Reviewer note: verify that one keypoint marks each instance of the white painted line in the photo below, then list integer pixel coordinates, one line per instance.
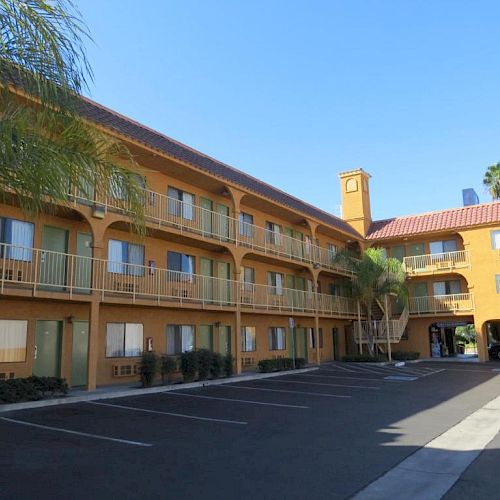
(321, 383)
(77, 433)
(432, 470)
(170, 414)
(284, 390)
(400, 378)
(335, 377)
(355, 372)
(370, 369)
(433, 373)
(341, 368)
(248, 401)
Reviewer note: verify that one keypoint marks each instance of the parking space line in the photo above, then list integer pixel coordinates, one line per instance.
(170, 414)
(343, 377)
(247, 401)
(432, 373)
(320, 383)
(341, 368)
(358, 370)
(284, 390)
(77, 433)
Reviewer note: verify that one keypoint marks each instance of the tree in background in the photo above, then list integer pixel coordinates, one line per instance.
(492, 180)
(46, 148)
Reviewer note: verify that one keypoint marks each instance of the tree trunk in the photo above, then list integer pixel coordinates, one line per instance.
(371, 334)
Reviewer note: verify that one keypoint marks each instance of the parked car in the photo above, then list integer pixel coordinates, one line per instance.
(494, 350)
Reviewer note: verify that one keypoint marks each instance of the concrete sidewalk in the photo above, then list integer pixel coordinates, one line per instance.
(112, 392)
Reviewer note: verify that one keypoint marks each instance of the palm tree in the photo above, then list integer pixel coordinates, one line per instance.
(45, 145)
(375, 277)
(492, 180)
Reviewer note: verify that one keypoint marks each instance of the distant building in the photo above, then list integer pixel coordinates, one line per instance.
(470, 197)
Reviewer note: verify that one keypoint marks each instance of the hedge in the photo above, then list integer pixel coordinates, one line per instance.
(364, 358)
(32, 388)
(279, 364)
(405, 355)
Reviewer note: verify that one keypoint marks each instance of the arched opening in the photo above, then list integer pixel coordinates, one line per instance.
(453, 339)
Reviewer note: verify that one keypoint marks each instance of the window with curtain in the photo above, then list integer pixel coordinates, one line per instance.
(277, 338)
(275, 283)
(332, 250)
(246, 224)
(180, 338)
(125, 258)
(495, 240)
(273, 233)
(18, 238)
(248, 278)
(180, 203)
(124, 340)
(13, 334)
(248, 342)
(443, 246)
(447, 287)
(312, 338)
(181, 263)
(398, 252)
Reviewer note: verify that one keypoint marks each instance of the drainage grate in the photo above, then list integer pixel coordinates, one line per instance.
(400, 378)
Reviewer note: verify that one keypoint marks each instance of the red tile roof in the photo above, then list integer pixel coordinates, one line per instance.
(442, 220)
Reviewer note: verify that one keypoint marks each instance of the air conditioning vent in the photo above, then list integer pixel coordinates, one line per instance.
(124, 370)
(247, 361)
(7, 375)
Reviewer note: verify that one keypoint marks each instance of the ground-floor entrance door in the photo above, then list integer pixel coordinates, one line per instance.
(79, 357)
(335, 343)
(300, 343)
(48, 341)
(224, 345)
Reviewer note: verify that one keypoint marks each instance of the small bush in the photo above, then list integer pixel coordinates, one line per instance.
(168, 365)
(279, 364)
(216, 364)
(267, 365)
(204, 362)
(31, 389)
(364, 358)
(189, 365)
(405, 355)
(300, 363)
(148, 368)
(228, 365)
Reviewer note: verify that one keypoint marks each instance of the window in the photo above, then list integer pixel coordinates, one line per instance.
(180, 338)
(246, 223)
(497, 277)
(180, 203)
(446, 287)
(181, 263)
(495, 239)
(332, 250)
(18, 239)
(13, 335)
(117, 184)
(124, 340)
(273, 233)
(277, 338)
(248, 338)
(312, 338)
(443, 246)
(248, 278)
(275, 282)
(398, 252)
(125, 258)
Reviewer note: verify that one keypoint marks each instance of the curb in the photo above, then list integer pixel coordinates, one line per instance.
(142, 392)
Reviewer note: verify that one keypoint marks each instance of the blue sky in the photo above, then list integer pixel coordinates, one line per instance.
(294, 92)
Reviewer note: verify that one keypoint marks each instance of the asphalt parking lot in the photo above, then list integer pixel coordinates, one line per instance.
(322, 434)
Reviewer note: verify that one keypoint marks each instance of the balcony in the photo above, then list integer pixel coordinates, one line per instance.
(437, 262)
(35, 272)
(442, 304)
(162, 210)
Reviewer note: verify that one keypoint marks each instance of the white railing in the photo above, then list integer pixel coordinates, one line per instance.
(430, 263)
(43, 270)
(379, 329)
(163, 210)
(458, 302)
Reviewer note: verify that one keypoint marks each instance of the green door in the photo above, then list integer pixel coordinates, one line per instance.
(48, 340)
(82, 270)
(222, 223)
(300, 343)
(206, 217)
(205, 337)
(223, 273)
(53, 261)
(79, 353)
(224, 346)
(207, 270)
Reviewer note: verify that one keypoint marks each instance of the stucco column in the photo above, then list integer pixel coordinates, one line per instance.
(237, 317)
(93, 354)
(316, 333)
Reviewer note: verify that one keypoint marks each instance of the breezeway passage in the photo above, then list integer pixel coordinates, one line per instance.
(281, 438)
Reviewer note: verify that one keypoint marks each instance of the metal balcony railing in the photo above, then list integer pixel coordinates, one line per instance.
(458, 302)
(431, 263)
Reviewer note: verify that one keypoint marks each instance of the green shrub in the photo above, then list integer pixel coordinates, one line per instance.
(168, 365)
(31, 388)
(204, 362)
(228, 365)
(189, 365)
(267, 365)
(405, 355)
(364, 358)
(148, 367)
(300, 363)
(279, 364)
(216, 364)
